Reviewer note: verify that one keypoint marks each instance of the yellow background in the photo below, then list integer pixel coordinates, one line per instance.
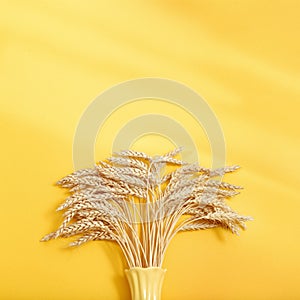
(243, 57)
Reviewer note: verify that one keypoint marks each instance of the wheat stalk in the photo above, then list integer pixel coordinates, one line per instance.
(130, 199)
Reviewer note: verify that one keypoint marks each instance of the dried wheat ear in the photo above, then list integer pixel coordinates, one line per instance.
(133, 200)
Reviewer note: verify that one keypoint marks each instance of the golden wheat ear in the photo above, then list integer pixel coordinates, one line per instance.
(132, 199)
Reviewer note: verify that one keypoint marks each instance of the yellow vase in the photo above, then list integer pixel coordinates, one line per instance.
(145, 283)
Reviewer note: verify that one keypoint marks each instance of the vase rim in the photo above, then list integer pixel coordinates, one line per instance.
(145, 268)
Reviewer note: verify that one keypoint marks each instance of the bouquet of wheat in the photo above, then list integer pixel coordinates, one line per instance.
(141, 202)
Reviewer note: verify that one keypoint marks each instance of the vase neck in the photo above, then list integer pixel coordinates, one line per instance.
(145, 283)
